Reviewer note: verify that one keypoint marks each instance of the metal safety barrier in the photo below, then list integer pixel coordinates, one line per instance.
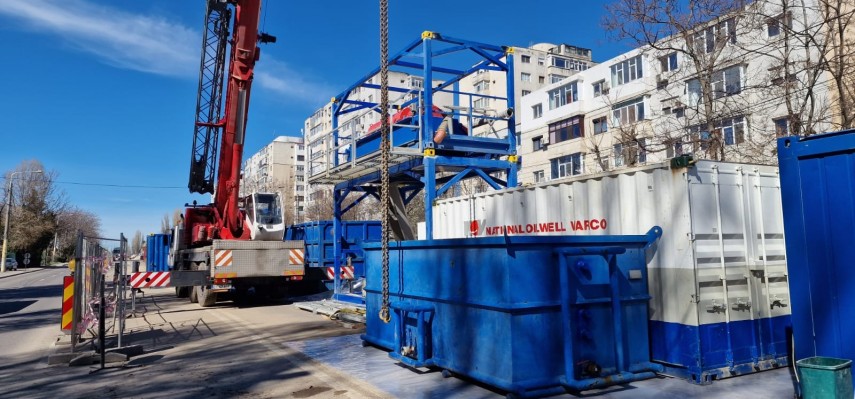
(100, 281)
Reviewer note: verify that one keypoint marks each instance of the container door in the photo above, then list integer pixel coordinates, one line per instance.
(769, 264)
(725, 308)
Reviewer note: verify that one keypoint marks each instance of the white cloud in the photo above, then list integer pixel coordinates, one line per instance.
(143, 43)
(279, 78)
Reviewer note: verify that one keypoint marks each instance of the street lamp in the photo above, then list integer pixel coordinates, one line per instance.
(6, 222)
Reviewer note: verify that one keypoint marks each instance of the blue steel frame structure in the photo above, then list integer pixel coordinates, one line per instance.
(457, 157)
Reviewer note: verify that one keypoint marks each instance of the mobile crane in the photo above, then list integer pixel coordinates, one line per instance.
(237, 240)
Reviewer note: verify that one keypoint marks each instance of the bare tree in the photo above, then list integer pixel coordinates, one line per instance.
(71, 221)
(321, 205)
(136, 242)
(36, 204)
(815, 54)
(165, 225)
(703, 36)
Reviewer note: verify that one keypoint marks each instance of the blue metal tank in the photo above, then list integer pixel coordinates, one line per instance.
(529, 315)
(818, 194)
(157, 252)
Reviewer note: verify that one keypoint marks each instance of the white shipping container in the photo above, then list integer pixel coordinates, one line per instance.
(719, 267)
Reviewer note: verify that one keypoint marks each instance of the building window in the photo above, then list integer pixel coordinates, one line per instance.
(416, 83)
(482, 85)
(299, 177)
(782, 126)
(526, 59)
(537, 143)
(642, 150)
(628, 112)
(539, 176)
(731, 131)
(726, 82)
(299, 168)
(563, 95)
(674, 148)
(300, 187)
(626, 71)
(570, 128)
(541, 61)
(617, 150)
(300, 198)
(526, 92)
(668, 63)
(774, 25)
(525, 77)
(481, 103)
(601, 125)
(571, 64)
(537, 111)
(709, 38)
(553, 78)
(567, 165)
(301, 158)
(541, 79)
(599, 88)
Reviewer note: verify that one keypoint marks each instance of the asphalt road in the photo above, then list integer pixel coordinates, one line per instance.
(30, 302)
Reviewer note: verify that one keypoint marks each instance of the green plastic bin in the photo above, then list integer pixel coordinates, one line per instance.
(825, 378)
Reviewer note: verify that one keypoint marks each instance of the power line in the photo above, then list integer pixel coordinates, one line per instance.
(75, 183)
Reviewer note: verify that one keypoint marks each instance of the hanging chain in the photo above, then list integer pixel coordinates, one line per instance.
(384, 154)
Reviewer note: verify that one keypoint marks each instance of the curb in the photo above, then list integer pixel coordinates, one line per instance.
(25, 271)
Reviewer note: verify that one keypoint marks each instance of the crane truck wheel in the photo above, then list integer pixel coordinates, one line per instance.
(182, 292)
(205, 297)
(194, 298)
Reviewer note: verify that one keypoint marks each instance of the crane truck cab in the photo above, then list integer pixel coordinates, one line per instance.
(264, 216)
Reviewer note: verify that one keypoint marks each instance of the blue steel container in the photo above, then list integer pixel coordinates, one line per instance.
(818, 193)
(529, 315)
(157, 252)
(319, 241)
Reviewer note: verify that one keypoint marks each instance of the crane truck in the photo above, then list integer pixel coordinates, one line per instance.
(235, 242)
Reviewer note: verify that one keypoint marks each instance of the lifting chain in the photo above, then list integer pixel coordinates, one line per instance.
(384, 155)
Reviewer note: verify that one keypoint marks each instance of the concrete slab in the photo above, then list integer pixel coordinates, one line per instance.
(347, 355)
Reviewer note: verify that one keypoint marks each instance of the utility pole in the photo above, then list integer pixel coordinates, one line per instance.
(6, 221)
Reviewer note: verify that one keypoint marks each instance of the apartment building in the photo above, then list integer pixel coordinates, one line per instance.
(535, 66)
(279, 167)
(719, 92)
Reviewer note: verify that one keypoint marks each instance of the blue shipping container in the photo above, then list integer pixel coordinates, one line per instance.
(818, 193)
(157, 252)
(319, 241)
(529, 315)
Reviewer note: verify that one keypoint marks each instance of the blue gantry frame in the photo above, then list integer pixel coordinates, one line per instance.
(457, 157)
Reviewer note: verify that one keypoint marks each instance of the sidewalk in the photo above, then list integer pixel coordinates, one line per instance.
(218, 352)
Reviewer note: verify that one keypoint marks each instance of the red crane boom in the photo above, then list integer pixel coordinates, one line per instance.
(223, 219)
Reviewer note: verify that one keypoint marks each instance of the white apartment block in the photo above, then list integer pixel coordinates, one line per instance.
(534, 67)
(279, 167)
(648, 104)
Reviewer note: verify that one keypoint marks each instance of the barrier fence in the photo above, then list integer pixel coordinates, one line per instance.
(99, 292)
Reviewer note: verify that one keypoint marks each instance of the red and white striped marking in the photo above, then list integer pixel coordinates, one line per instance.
(223, 257)
(346, 272)
(150, 279)
(295, 257)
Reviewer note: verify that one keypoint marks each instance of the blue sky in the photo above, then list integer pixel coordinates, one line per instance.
(104, 91)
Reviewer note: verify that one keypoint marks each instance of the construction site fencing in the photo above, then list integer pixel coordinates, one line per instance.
(99, 292)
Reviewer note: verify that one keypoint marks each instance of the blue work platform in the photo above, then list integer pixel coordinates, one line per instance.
(818, 196)
(433, 147)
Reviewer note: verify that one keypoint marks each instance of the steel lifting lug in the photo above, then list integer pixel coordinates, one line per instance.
(741, 304)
